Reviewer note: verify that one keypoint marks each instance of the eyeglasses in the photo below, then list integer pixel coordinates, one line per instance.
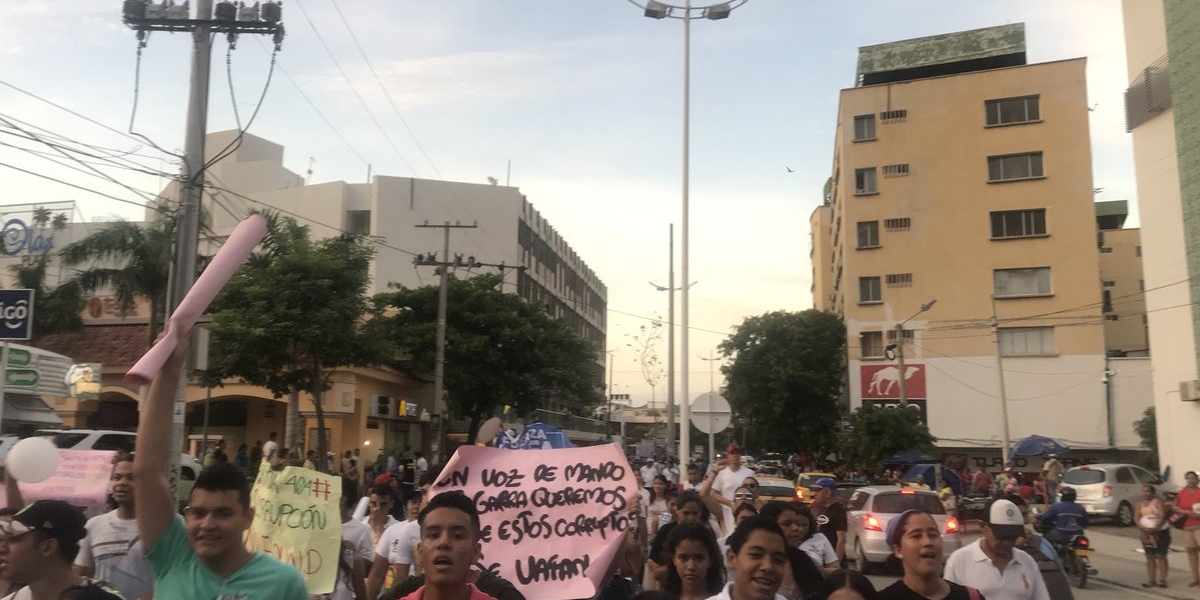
(743, 496)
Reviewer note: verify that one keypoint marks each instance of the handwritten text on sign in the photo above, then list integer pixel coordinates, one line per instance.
(552, 520)
(296, 519)
(81, 479)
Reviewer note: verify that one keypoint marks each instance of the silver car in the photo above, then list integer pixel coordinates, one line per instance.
(870, 509)
(1111, 489)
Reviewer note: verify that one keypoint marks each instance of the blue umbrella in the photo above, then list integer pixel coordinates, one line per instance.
(1035, 445)
(909, 457)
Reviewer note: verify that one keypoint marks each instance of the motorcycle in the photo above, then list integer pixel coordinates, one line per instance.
(1076, 556)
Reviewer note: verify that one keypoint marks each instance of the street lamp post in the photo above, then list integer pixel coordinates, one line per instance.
(671, 289)
(900, 351)
(714, 12)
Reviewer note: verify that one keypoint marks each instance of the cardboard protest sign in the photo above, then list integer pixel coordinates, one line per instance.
(81, 479)
(296, 519)
(552, 520)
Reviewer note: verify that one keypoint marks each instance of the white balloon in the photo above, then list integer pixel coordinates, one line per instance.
(32, 460)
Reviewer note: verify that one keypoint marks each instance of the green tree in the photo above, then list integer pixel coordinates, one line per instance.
(292, 315)
(131, 259)
(785, 376)
(1147, 429)
(500, 349)
(876, 433)
(58, 310)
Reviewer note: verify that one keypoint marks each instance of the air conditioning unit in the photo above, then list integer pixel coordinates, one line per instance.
(1189, 391)
(382, 406)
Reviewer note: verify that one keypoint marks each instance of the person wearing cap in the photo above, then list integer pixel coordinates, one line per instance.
(38, 548)
(723, 481)
(830, 515)
(202, 555)
(916, 542)
(992, 564)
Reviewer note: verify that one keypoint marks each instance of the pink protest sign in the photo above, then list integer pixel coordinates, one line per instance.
(552, 520)
(232, 254)
(81, 479)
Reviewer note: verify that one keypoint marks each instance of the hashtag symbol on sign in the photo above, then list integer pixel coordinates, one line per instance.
(320, 486)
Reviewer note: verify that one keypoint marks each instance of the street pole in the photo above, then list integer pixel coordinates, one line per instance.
(1004, 443)
(671, 342)
(612, 359)
(439, 361)
(900, 364)
(685, 420)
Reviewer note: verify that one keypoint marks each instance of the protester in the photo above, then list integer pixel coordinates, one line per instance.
(742, 512)
(729, 477)
(916, 542)
(694, 567)
(450, 546)
(380, 502)
(690, 510)
(37, 550)
(1052, 472)
(830, 515)
(1186, 502)
(270, 450)
(242, 459)
(758, 553)
(657, 505)
(802, 575)
(354, 557)
(395, 550)
(846, 585)
(350, 475)
(992, 564)
(694, 478)
(107, 547)
(1156, 536)
(202, 557)
(310, 460)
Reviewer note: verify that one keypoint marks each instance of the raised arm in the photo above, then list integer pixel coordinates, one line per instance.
(150, 489)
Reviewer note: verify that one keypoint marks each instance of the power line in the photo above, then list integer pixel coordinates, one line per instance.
(80, 187)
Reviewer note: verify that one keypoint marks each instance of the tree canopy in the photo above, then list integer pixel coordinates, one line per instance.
(785, 376)
(875, 433)
(500, 349)
(293, 314)
(57, 310)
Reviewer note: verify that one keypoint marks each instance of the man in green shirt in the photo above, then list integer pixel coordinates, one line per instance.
(201, 556)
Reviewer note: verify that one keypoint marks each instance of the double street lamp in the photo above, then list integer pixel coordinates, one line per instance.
(899, 347)
(713, 12)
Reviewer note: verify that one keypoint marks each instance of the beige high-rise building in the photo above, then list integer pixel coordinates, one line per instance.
(962, 175)
(1123, 297)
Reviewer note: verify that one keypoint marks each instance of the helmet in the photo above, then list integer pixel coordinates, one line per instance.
(1068, 494)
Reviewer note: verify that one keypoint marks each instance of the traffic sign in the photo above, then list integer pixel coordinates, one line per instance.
(711, 413)
(16, 314)
(21, 378)
(18, 357)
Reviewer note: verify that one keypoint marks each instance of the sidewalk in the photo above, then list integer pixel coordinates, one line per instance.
(1129, 550)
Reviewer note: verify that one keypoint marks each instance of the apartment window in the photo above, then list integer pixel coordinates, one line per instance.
(1106, 250)
(1141, 285)
(358, 222)
(864, 181)
(895, 170)
(1107, 283)
(1021, 282)
(864, 128)
(869, 290)
(899, 224)
(1010, 111)
(871, 344)
(908, 335)
(893, 115)
(1026, 341)
(1106, 301)
(1015, 166)
(1138, 250)
(1018, 223)
(899, 280)
(868, 234)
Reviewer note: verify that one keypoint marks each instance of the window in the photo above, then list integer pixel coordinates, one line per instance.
(868, 234)
(864, 128)
(1138, 250)
(1106, 283)
(864, 181)
(871, 343)
(869, 290)
(893, 115)
(900, 224)
(1141, 285)
(1018, 223)
(1106, 301)
(1015, 166)
(1106, 250)
(1026, 341)
(899, 280)
(908, 335)
(1021, 282)
(1124, 475)
(1010, 111)
(900, 170)
(358, 222)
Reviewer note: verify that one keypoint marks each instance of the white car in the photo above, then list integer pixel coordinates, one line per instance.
(869, 510)
(1112, 490)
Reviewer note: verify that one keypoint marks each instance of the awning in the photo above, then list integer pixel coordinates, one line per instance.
(24, 408)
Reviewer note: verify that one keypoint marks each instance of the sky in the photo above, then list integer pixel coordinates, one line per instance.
(583, 97)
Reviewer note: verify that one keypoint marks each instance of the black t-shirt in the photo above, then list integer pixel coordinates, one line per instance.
(831, 521)
(659, 544)
(899, 591)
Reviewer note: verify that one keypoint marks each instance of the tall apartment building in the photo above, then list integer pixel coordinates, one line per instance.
(1162, 110)
(1123, 297)
(962, 174)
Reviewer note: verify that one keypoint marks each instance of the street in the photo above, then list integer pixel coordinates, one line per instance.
(1120, 565)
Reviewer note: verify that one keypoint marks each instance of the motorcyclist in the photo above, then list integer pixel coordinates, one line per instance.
(1064, 520)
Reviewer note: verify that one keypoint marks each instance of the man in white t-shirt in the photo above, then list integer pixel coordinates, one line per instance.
(730, 478)
(395, 549)
(105, 553)
(271, 448)
(992, 564)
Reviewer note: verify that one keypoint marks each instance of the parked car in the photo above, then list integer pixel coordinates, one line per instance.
(1112, 489)
(774, 488)
(844, 491)
(869, 510)
(806, 480)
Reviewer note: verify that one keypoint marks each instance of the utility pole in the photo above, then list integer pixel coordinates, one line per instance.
(1004, 441)
(439, 364)
(144, 16)
(900, 364)
(670, 288)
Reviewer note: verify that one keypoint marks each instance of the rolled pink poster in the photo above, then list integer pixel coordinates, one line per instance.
(232, 254)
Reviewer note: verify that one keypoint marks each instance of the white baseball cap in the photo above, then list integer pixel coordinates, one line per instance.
(1005, 519)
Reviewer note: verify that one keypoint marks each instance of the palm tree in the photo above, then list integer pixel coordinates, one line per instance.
(41, 216)
(131, 259)
(59, 222)
(58, 310)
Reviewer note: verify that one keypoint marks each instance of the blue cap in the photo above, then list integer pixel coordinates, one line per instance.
(824, 482)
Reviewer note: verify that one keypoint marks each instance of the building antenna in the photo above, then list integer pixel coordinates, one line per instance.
(312, 160)
(508, 177)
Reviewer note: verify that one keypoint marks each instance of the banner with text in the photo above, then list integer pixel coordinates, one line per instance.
(81, 479)
(296, 519)
(552, 520)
